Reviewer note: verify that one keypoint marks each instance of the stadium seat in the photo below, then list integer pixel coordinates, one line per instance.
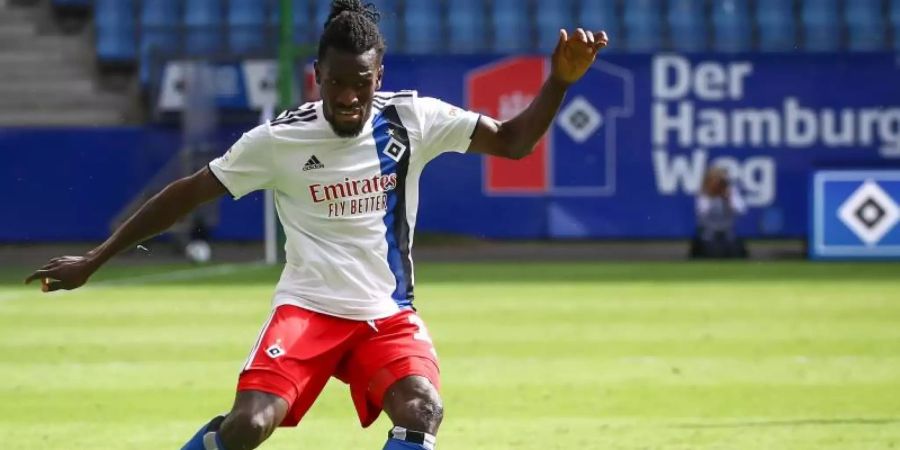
(600, 15)
(512, 28)
(116, 30)
(821, 25)
(688, 25)
(159, 33)
(731, 26)
(273, 16)
(204, 25)
(466, 26)
(160, 13)
(777, 27)
(305, 30)
(310, 17)
(72, 3)
(246, 26)
(550, 16)
(322, 9)
(895, 22)
(865, 25)
(422, 25)
(643, 23)
(390, 22)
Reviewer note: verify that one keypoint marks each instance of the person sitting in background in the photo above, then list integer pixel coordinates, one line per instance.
(717, 208)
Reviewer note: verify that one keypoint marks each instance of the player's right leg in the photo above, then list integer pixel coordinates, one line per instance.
(295, 355)
(252, 419)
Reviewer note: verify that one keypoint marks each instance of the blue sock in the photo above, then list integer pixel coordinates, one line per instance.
(400, 438)
(201, 441)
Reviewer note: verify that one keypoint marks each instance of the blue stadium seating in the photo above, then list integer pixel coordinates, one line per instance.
(512, 27)
(160, 12)
(643, 20)
(422, 25)
(158, 37)
(598, 15)
(550, 16)
(390, 22)
(72, 3)
(865, 25)
(688, 25)
(821, 25)
(249, 27)
(310, 17)
(777, 28)
(731, 25)
(466, 26)
(203, 20)
(305, 30)
(246, 26)
(116, 30)
(323, 8)
(895, 22)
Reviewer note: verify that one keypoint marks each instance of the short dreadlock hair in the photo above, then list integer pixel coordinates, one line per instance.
(353, 27)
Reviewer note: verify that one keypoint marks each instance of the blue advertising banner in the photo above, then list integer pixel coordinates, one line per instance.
(242, 85)
(623, 160)
(855, 214)
(70, 184)
(634, 138)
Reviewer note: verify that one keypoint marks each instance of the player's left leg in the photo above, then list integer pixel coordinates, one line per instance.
(416, 410)
(395, 369)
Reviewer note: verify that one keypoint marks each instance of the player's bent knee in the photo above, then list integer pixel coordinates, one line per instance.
(254, 417)
(415, 404)
(246, 429)
(431, 412)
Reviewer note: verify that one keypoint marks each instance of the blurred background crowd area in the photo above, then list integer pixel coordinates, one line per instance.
(127, 30)
(56, 47)
(59, 47)
(156, 88)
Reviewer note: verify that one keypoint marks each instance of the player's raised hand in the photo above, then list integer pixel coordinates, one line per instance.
(64, 272)
(574, 55)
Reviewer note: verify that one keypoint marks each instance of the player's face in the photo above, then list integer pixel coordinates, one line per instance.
(348, 82)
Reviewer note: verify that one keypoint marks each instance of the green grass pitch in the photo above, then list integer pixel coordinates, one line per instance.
(534, 356)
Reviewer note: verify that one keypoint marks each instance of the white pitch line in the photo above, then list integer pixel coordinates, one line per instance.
(7, 297)
(176, 275)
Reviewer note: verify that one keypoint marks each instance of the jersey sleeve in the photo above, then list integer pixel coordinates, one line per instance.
(248, 165)
(444, 127)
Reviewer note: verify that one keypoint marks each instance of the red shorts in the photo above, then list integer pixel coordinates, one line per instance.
(299, 350)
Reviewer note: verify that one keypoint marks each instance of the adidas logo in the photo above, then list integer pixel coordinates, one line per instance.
(313, 163)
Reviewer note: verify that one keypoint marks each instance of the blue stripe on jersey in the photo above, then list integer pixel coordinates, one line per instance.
(391, 136)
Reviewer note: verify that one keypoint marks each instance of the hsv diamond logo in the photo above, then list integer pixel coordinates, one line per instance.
(870, 213)
(855, 214)
(275, 350)
(577, 158)
(394, 148)
(580, 119)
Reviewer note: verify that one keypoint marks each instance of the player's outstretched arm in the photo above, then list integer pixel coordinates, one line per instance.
(155, 216)
(516, 138)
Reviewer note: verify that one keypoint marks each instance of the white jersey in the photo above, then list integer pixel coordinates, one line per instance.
(348, 205)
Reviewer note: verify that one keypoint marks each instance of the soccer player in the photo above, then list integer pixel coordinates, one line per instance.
(345, 172)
